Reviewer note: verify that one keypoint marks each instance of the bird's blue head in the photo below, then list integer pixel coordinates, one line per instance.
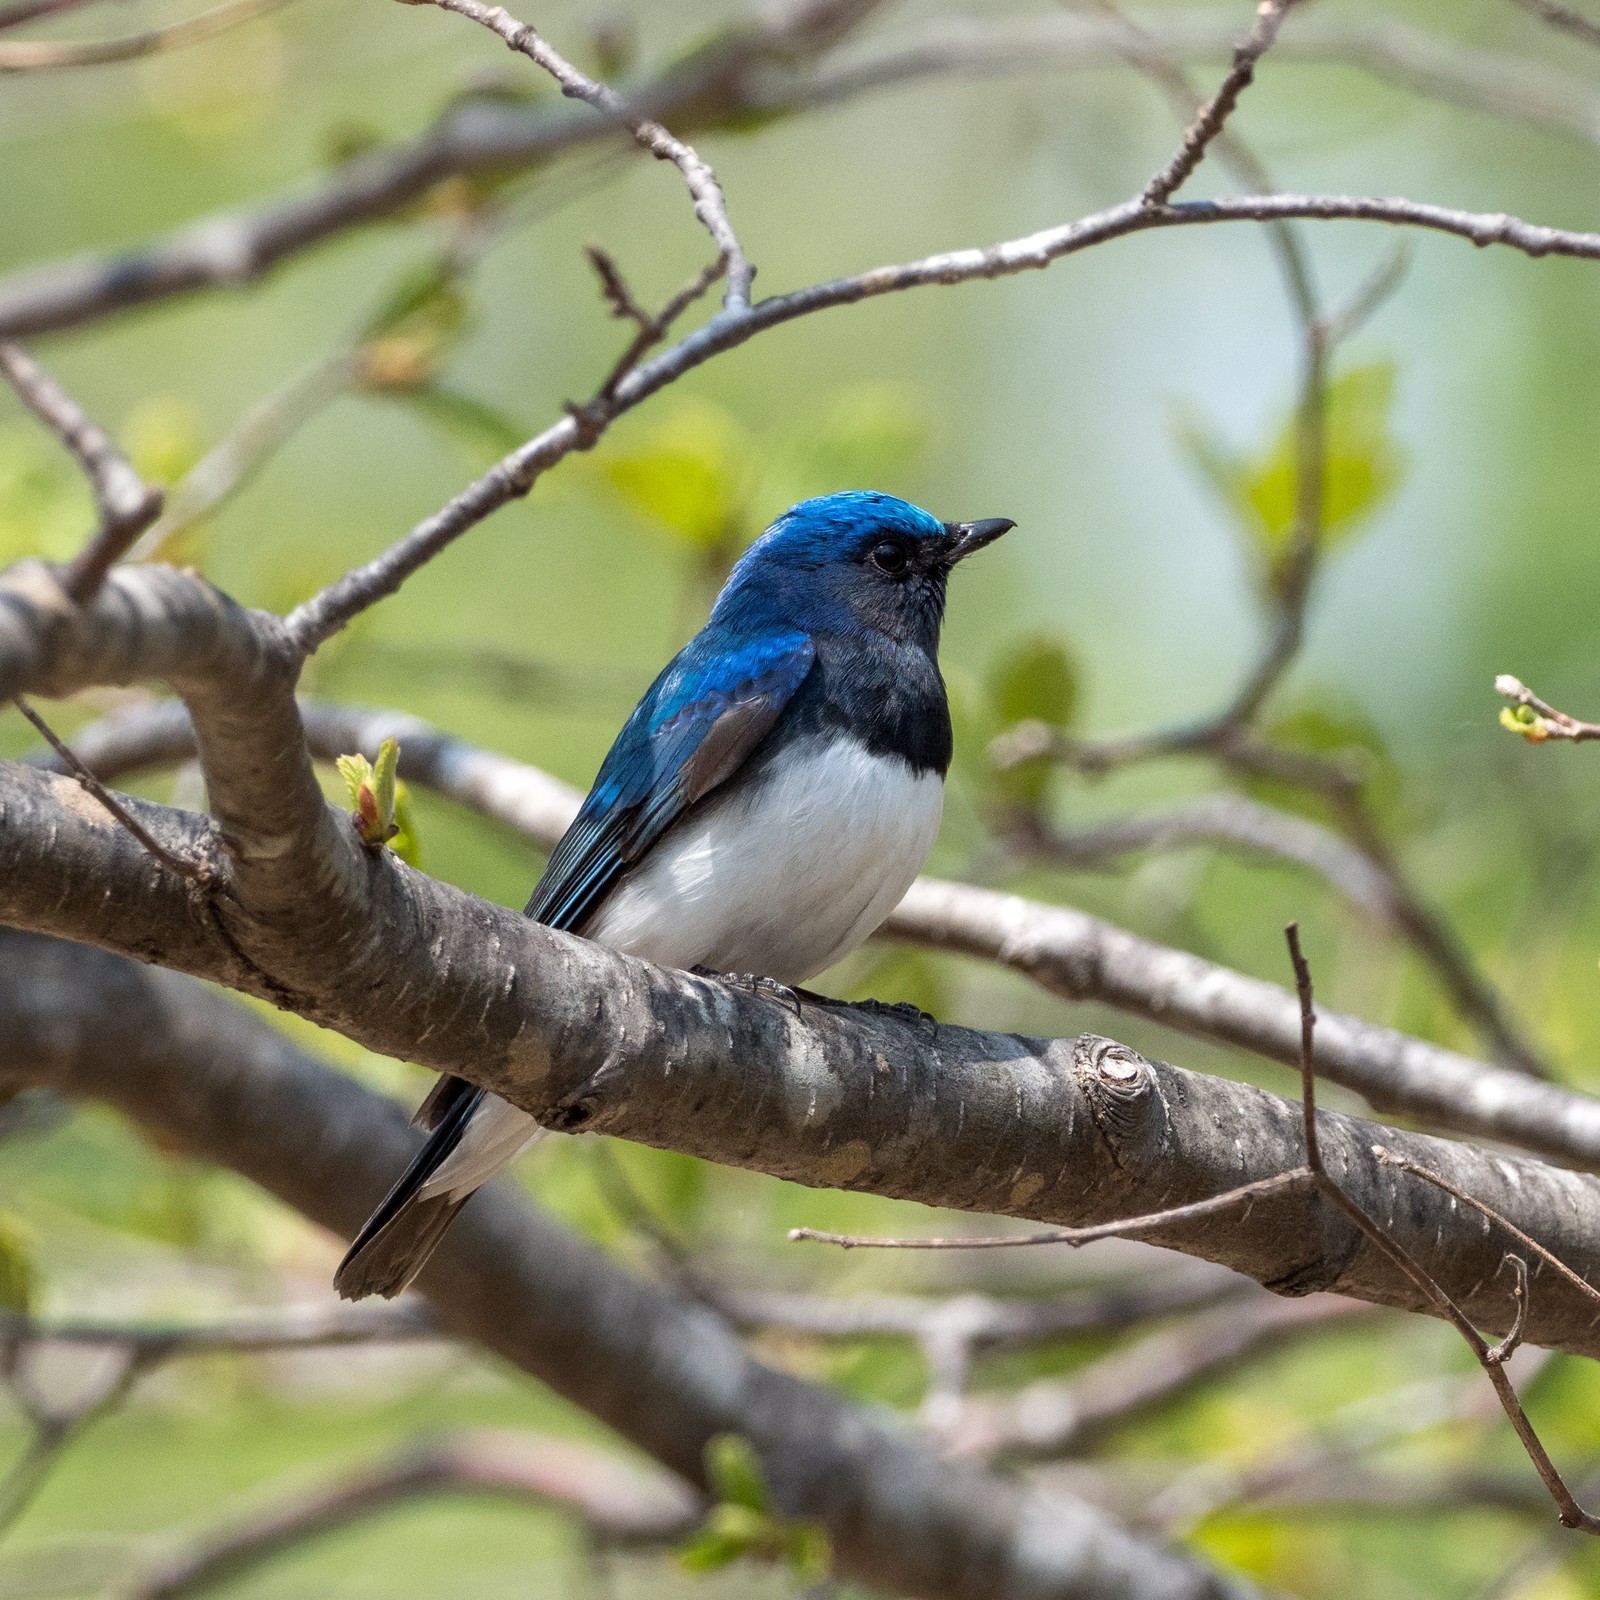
(856, 558)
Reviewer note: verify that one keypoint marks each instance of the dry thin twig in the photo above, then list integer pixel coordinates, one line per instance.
(127, 504)
(93, 785)
(1564, 19)
(709, 205)
(618, 1503)
(1214, 114)
(1123, 1228)
(56, 55)
(138, 1348)
(1492, 1358)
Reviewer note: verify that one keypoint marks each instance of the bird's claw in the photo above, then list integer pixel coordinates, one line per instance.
(901, 1010)
(758, 984)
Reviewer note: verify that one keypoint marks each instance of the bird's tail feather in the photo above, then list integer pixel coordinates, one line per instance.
(387, 1261)
(402, 1233)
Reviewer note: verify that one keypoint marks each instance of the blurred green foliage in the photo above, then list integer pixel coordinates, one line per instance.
(1132, 595)
(1361, 469)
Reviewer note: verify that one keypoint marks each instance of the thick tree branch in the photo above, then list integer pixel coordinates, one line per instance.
(1065, 951)
(585, 1038)
(664, 1372)
(236, 673)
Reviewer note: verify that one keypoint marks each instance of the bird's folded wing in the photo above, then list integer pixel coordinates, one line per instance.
(693, 730)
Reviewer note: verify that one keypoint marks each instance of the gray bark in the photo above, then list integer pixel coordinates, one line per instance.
(666, 1373)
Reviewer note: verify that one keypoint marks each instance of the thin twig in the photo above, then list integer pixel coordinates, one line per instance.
(709, 205)
(126, 503)
(24, 11)
(93, 785)
(1214, 114)
(1527, 1241)
(327, 612)
(1125, 1228)
(1563, 19)
(1543, 721)
(618, 1503)
(1490, 1357)
(650, 327)
(56, 55)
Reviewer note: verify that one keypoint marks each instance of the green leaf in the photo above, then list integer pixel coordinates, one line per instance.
(1362, 466)
(735, 1472)
(406, 844)
(356, 771)
(383, 779)
(729, 1532)
(1035, 679)
(808, 1551)
(691, 477)
(18, 1279)
(708, 1550)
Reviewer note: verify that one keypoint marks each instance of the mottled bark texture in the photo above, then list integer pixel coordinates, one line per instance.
(1063, 950)
(666, 1373)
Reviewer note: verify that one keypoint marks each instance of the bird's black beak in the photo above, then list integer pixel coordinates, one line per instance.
(965, 537)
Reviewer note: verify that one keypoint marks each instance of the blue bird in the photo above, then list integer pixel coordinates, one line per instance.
(762, 811)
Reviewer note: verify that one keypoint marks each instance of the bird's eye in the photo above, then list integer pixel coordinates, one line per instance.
(890, 557)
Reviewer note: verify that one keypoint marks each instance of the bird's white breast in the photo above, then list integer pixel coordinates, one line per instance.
(784, 875)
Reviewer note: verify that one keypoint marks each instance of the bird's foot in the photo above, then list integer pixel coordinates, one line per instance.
(901, 1010)
(763, 987)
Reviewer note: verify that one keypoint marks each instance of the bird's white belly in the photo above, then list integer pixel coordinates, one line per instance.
(783, 879)
(786, 877)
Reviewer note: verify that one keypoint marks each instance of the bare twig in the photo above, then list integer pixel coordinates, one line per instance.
(1054, 1417)
(126, 503)
(93, 785)
(1231, 820)
(293, 1328)
(326, 613)
(709, 205)
(1214, 114)
(24, 11)
(1564, 19)
(53, 1428)
(1540, 721)
(1526, 1240)
(1492, 1358)
(618, 1503)
(1125, 1228)
(650, 327)
(56, 55)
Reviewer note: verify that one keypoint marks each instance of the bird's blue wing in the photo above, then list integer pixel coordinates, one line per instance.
(696, 725)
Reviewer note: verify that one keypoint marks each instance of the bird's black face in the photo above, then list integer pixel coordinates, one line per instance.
(898, 585)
